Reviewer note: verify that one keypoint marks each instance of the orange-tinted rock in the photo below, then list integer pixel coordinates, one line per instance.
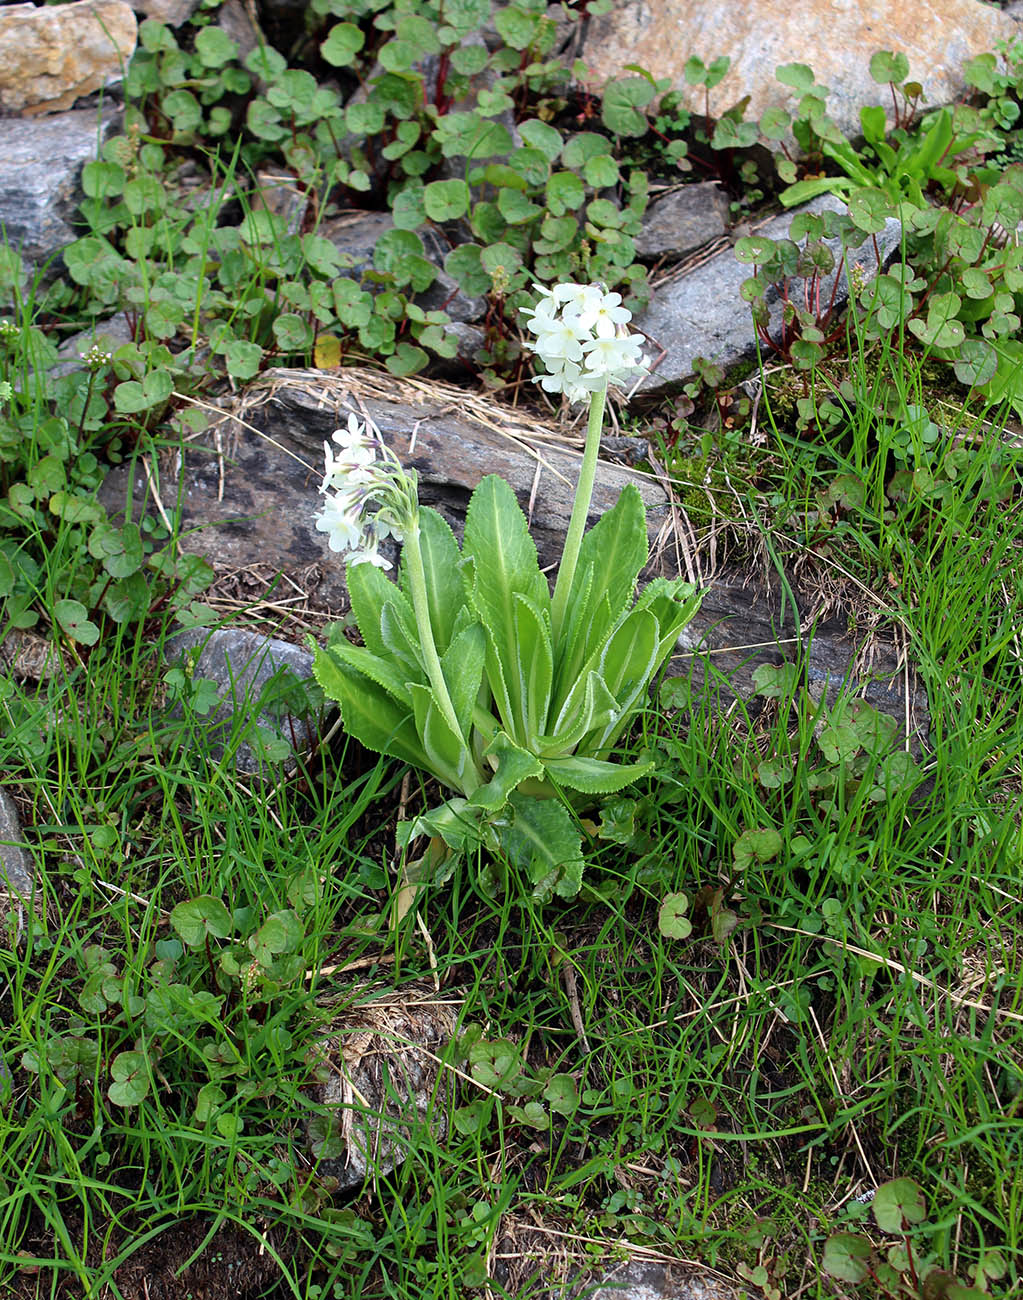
(50, 57)
(835, 37)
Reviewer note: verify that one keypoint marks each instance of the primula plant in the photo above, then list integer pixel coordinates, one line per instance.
(470, 670)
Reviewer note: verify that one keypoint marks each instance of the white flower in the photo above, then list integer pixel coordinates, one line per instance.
(341, 522)
(368, 496)
(585, 346)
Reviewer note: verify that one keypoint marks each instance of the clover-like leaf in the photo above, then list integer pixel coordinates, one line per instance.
(759, 845)
(130, 1079)
(847, 1257)
(899, 1204)
(199, 918)
(672, 920)
(74, 621)
(561, 1094)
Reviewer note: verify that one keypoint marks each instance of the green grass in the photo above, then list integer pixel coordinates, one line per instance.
(848, 1008)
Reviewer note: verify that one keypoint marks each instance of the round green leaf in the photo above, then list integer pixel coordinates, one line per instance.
(343, 43)
(620, 108)
(761, 844)
(542, 136)
(214, 47)
(671, 919)
(899, 1204)
(847, 1257)
(131, 1079)
(464, 266)
(561, 1094)
(446, 200)
(199, 918)
(73, 618)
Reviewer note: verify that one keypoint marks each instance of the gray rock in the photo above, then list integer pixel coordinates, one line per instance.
(683, 220)
(468, 341)
(41, 162)
(701, 314)
(258, 679)
(356, 235)
(17, 876)
(644, 1280)
(108, 335)
(381, 1086)
(270, 489)
(171, 12)
(237, 19)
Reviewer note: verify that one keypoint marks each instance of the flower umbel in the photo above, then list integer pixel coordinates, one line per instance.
(582, 338)
(369, 496)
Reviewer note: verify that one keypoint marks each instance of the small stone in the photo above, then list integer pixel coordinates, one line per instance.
(683, 220)
(257, 678)
(51, 56)
(382, 1086)
(644, 1280)
(171, 12)
(41, 163)
(937, 36)
(17, 877)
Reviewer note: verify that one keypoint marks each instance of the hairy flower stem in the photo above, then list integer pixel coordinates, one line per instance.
(412, 556)
(580, 512)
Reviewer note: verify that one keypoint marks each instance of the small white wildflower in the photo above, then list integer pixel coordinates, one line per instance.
(368, 496)
(586, 345)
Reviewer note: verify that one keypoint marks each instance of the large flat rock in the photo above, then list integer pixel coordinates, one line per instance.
(835, 37)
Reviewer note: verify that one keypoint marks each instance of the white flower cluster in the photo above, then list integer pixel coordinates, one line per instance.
(583, 340)
(366, 498)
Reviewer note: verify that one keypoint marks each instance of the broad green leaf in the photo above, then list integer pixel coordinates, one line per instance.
(505, 565)
(74, 621)
(369, 591)
(445, 590)
(397, 630)
(343, 43)
(130, 1079)
(630, 656)
(899, 1204)
(672, 920)
(455, 822)
(514, 765)
(462, 665)
(198, 918)
(595, 775)
(804, 191)
(612, 554)
(369, 713)
(847, 1257)
(542, 839)
(281, 932)
(590, 707)
(447, 758)
(446, 200)
(673, 602)
(760, 845)
(561, 1094)
(381, 670)
(528, 669)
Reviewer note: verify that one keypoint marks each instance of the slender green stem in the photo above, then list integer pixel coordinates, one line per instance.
(412, 555)
(580, 512)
